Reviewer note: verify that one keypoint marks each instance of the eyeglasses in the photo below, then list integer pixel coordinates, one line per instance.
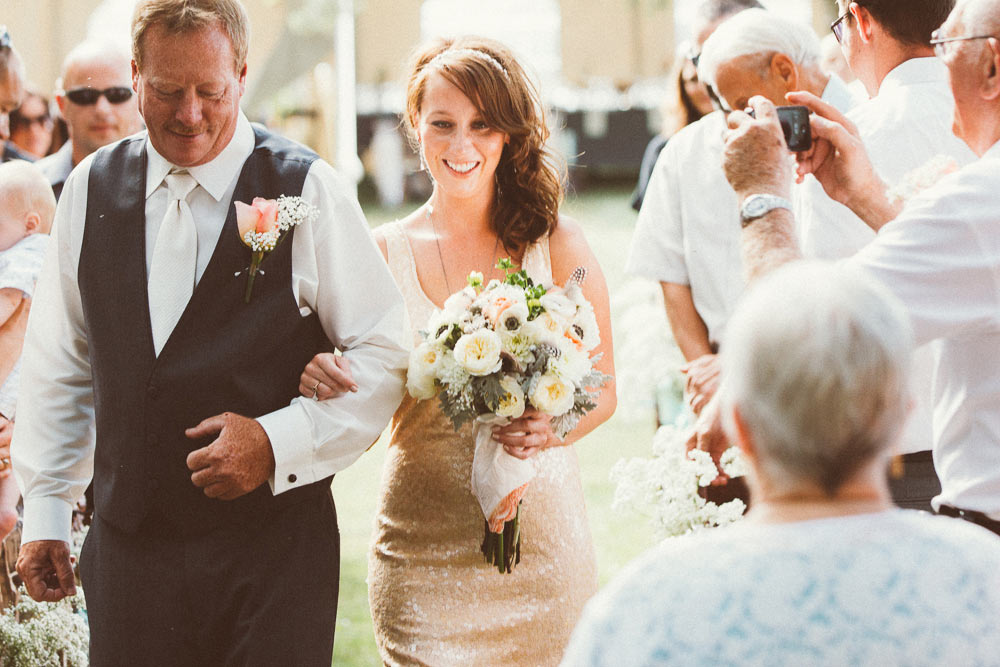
(939, 42)
(27, 121)
(4, 37)
(838, 26)
(87, 96)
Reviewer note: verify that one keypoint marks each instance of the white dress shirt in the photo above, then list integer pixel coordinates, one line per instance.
(688, 228)
(337, 271)
(941, 257)
(688, 231)
(905, 126)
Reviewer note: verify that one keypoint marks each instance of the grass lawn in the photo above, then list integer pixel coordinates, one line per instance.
(608, 222)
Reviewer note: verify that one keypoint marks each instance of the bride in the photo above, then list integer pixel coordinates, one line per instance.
(478, 124)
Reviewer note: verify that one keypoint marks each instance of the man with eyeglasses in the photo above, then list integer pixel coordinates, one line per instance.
(939, 252)
(11, 94)
(95, 98)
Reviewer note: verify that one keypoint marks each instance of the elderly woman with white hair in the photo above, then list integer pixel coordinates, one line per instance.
(823, 570)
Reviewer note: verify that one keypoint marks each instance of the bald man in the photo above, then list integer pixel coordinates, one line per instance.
(11, 93)
(96, 100)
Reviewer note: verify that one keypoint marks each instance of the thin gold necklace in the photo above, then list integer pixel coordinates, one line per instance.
(437, 241)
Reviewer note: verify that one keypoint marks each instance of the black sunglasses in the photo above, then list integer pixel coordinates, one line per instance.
(87, 96)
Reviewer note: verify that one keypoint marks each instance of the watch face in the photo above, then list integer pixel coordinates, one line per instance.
(756, 207)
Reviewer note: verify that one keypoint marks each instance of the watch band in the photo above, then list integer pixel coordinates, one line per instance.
(757, 206)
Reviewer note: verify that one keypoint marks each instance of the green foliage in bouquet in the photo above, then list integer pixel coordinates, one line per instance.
(43, 634)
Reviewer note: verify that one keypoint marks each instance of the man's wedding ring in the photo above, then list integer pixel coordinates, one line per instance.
(316, 389)
(4, 463)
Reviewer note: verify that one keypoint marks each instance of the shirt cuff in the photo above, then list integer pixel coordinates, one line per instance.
(290, 432)
(47, 518)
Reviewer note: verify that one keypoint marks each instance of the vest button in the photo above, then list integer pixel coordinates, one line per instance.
(152, 391)
(292, 479)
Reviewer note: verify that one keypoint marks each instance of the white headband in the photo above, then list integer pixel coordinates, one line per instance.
(439, 60)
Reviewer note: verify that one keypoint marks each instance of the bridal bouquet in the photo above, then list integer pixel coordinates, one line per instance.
(490, 353)
(665, 487)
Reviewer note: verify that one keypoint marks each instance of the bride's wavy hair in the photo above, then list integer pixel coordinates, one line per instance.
(529, 179)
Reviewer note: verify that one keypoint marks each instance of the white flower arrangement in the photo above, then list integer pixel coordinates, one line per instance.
(665, 487)
(491, 353)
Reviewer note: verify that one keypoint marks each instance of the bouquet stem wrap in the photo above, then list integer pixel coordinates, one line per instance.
(499, 481)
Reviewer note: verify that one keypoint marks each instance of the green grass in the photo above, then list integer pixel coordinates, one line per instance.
(608, 222)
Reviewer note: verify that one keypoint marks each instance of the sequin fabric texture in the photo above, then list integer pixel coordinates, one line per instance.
(434, 600)
(893, 588)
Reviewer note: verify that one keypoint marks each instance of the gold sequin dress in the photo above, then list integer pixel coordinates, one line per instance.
(434, 599)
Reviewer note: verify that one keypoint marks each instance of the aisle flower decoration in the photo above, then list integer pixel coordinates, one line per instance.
(665, 487)
(264, 224)
(488, 355)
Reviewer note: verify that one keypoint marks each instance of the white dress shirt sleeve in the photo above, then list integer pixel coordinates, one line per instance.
(53, 444)
(940, 260)
(339, 273)
(657, 250)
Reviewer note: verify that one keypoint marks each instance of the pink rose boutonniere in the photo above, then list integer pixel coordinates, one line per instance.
(264, 223)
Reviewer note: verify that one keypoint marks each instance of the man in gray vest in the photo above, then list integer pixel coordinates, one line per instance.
(215, 538)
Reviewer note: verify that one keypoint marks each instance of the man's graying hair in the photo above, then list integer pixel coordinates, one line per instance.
(179, 16)
(710, 11)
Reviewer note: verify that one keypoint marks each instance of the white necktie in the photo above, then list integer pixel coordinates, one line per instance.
(172, 269)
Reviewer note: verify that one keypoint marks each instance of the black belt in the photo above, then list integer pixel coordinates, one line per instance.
(973, 516)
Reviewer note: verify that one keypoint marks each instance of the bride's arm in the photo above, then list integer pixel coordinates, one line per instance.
(568, 249)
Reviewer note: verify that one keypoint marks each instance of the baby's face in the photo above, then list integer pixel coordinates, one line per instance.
(13, 228)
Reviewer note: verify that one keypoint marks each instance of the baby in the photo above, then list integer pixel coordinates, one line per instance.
(27, 207)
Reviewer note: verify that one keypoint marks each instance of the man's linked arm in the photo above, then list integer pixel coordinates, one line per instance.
(341, 275)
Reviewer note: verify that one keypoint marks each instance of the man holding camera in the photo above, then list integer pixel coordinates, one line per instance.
(905, 125)
(940, 255)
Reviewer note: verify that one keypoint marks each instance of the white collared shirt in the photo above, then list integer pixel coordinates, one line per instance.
(941, 257)
(688, 231)
(337, 271)
(904, 127)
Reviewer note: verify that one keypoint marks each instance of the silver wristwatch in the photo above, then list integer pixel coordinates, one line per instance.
(756, 206)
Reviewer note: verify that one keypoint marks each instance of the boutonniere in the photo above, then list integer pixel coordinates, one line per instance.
(264, 224)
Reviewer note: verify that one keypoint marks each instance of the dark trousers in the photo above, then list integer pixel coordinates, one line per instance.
(257, 593)
(913, 481)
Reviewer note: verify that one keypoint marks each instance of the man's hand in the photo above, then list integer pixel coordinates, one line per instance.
(840, 163)
(236, 462)
(46, 570)
(708, 435)
(702, 381)
(755, 159)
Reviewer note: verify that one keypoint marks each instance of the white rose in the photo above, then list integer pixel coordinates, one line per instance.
(552, 395)
(424, 363)
(511, 405)
(479, 352)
